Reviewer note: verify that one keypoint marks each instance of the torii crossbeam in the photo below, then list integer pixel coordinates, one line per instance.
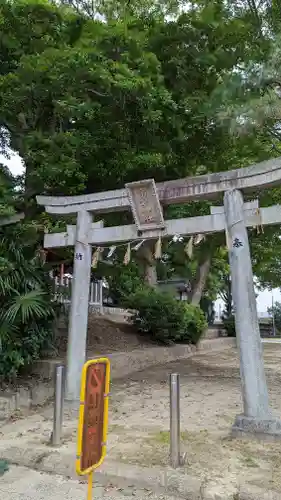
(262, 175)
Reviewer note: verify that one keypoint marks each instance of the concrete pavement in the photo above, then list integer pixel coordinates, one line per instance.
(20, 483)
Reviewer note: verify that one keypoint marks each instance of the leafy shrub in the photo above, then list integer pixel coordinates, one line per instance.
(123, 281)
(195, 323)
(164, 318)
(229, 325)
(26, 311)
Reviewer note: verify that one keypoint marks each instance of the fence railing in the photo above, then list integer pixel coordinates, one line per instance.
(62, 289)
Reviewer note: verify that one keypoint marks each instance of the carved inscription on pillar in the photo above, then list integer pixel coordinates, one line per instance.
(145, 205)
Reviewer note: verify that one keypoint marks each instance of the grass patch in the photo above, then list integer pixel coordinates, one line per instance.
(250, 462)
(116, 428)
(163, 437)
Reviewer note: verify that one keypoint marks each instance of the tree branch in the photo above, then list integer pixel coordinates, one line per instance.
(98, 93)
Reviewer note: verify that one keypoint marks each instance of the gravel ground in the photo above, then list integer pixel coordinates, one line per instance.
(210, 400)
(25, 484)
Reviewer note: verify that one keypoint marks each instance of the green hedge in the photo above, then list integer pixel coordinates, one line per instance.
(166, 319)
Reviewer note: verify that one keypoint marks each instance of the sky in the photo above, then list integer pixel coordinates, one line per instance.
(264, 299)
(14, 163)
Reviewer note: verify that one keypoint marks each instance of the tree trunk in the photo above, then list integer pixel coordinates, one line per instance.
(30, 205)
(149, 263)
(200, 281)
(150, 274)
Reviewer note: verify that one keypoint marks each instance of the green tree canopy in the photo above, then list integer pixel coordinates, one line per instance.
(91, 104)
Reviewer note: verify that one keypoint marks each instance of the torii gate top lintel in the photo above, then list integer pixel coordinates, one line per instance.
(265, 174)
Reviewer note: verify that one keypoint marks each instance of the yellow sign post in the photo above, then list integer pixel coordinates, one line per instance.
(93, 418)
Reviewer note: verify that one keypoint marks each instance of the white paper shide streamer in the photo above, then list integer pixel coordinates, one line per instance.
(189, 247)
(111, 252)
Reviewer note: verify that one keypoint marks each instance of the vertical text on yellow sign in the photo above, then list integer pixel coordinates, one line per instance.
(106, 362)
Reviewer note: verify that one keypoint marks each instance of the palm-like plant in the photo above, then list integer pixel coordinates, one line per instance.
(26, 310)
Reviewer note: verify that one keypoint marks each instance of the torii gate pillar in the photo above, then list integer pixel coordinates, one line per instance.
(78, 321)
(257, 417)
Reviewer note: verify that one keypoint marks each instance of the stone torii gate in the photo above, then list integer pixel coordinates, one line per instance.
(145, 198)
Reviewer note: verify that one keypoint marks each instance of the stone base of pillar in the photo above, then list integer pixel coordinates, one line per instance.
(256, 428)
